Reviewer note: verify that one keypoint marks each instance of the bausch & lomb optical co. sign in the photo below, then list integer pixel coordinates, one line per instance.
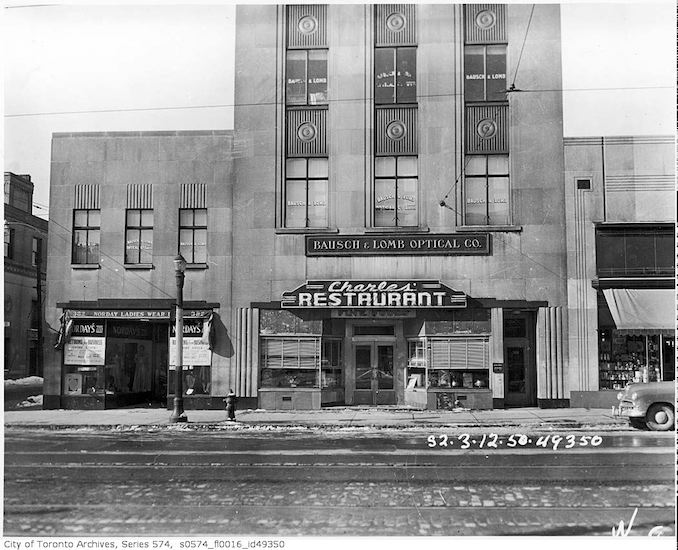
(471, 244)
(373, 294)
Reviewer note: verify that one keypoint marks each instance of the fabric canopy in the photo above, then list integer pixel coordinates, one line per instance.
(645, 311)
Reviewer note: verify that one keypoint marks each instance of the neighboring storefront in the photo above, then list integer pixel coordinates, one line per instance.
(118, 357)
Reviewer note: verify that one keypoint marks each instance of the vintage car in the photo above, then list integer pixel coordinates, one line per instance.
(648, 405)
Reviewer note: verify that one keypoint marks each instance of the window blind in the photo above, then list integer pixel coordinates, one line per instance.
(460, 353)
(291, 353)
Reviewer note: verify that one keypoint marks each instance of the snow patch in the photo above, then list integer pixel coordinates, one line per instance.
(32, 401)
(29, 381)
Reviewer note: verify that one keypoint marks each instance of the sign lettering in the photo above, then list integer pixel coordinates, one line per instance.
(464, 244)
(373, 294)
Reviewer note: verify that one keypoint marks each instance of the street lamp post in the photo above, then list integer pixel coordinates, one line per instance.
(178, 414)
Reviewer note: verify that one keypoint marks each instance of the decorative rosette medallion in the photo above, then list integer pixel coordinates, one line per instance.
(396, 130)
(486, 19)
(308, 24)
(307, 131)
(396, 22)
(486, 128)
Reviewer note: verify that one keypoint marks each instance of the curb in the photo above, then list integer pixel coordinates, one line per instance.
(270, 426)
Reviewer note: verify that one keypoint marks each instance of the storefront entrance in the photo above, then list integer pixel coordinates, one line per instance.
(374, 373)
(521, 374)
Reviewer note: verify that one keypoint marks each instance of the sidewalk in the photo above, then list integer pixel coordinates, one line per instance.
(340, 417)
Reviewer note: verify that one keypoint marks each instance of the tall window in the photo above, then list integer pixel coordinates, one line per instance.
(86, 235)
(306, 188)
(486, 190)
(193, 235)
(395, 75)
(139, 236)
(306, 77)
(485, 73)
(9, 243)
(395, 191)
(36, 252)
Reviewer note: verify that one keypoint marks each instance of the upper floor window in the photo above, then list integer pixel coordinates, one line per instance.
(486, 190)
(395, 75)
(485, 72)
(193, 235)
(86, 236)
(306, 192)
(635, 251)
(306, 82)
(9, 243)
(395, 191)
(36, 252)
(139, 236)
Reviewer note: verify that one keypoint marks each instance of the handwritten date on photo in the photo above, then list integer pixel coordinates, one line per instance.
(494, 441)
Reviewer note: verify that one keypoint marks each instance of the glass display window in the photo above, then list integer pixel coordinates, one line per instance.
(196, 380)
(290, 362)
(332, 372)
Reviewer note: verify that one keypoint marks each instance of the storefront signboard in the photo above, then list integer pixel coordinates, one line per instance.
(390, 294)
(85, 351)
(464, 244)
(132, 314)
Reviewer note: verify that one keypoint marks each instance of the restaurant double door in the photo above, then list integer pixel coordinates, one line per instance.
(374, 373)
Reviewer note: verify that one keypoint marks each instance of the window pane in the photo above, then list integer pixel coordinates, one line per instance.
(201, 217)
(80, 218)
(474, 201)
(200, 246)
(474, 73)
(147, 218)
(94, 219)
(384, 166)
(664, 243)
(407, 202)
(296, 77)
(93, 247)
(80, 246)
(296, 168)
(146, 246)
(186, 244)
(384, 203)
(295, 204)
(407, 166)
(317, 76)
(384, 75)
(131, 246)
(406, 77)
(317, 168)
(133, 218)
(475, 165)
(185, 218)
(639, 253)
(497, 164)
(609, 254)
(498, 205)
(317, 203)
(496, 73)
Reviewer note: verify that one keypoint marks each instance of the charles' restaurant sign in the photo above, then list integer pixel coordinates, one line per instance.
(373, 294)
(467, 244)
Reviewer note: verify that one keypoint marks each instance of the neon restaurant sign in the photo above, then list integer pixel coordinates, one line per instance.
(373, 294)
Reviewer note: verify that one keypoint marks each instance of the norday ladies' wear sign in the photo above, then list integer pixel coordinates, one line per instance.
(373, 294)
(467, 244)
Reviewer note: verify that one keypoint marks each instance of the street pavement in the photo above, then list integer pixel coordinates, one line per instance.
(447, 480)
(385, 417)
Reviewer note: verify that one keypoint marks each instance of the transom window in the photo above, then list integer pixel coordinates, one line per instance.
(306, 82)
(395, 75)
(193, 235)
(306, 192)
(486, 190)
(86, 236)
(635, 251)
(139, 236)
(395, 191)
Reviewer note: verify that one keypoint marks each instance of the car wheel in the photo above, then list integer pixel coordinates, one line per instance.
(660, 417)
(638, 423)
